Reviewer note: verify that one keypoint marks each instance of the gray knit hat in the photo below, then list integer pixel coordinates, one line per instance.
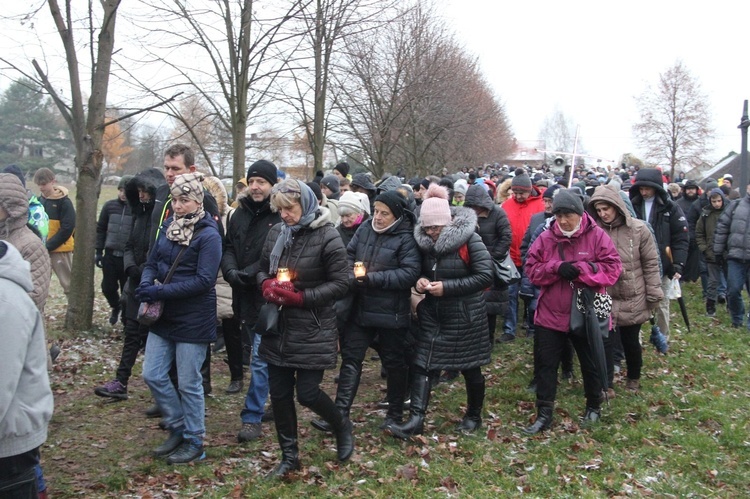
(567, 201)
(332, 182)
(521, 182)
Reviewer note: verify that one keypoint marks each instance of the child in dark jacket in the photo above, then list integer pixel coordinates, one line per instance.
(704, 236)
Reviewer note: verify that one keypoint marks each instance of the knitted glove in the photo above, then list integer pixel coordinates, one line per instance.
(268, 286)
(288, 298)
(98, 259)
(568, 271)
(147, 293)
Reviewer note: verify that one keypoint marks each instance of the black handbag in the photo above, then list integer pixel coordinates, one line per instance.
(602, 308)
(268, 320)
(506, 271)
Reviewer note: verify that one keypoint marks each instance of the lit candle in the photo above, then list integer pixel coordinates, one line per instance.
(283, 275)
(359, 269)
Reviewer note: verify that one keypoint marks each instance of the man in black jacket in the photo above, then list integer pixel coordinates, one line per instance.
(246, 233)
(652, 204)
(112, 233)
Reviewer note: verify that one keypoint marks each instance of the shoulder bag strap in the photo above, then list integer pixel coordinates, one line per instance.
(177, 260)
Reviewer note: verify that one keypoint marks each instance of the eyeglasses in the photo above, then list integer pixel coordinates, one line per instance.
(432, 228)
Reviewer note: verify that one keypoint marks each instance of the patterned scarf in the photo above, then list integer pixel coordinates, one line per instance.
(181, 229)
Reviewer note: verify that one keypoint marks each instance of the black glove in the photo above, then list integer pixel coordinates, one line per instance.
(98, 259)
(361, 282)
(568, 271)
(237, 278)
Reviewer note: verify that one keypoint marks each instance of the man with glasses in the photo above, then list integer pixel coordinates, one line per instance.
(525, 201)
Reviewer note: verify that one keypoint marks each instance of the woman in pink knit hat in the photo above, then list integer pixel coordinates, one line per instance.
(452, 329)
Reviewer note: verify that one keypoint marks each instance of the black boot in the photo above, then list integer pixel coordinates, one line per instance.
(474, 403)
(591, 416)
(420, 398)
(285, 418)
(345, 393)
(395, 394)
(543, 419)
(341, 426)
(710, 308)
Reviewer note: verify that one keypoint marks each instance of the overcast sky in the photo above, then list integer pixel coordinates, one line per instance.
(591, 58)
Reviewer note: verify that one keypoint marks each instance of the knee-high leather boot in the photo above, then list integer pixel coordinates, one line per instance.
(474, 403)
(285, 418)
(347, 389)
(340, 425)
(420, 398)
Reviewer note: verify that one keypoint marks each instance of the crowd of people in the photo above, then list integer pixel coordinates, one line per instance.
(293, 275)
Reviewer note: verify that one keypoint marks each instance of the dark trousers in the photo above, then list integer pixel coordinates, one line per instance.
(135, 340)
(233, 343)
(631, 345)
(18, 475)
(282, 382)
(566, 360)
(551, 346)
(391, 346)
(113, 278)
(471, 376)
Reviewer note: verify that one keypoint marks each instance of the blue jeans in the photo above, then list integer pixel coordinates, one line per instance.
(737, 274)
(511, 318)
(257, 391)
(187, 409)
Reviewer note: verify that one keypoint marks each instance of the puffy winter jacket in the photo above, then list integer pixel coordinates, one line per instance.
(732, 236)
(494, 229)
(452, 331)
(589, 245)
(14, 229)
(136, 248)
(62, 221)
(519, 216)
(113, 227)
(705, 228)
(638, 290)
(317, 257)
(393, 264)
(189, 314)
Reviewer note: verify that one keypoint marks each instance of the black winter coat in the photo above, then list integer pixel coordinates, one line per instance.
(136, 248)
(496, 234)
(393, 263)
(113, 226)
(670, 228)
(452, 332)
(243, 244)
(317, 257)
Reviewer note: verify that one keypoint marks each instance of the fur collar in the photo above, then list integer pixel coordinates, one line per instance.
(453, 236)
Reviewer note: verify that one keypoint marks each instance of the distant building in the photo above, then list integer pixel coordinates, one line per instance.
(525, 153)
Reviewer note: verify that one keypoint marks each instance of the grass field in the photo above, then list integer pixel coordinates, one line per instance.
(687, 434)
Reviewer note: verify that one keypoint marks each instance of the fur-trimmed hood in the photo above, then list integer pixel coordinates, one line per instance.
(214, 186)
(453, 235)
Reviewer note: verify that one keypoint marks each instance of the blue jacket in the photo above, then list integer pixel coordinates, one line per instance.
(190, 298)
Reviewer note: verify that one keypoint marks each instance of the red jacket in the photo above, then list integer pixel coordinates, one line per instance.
(519, 216)
(590, 245)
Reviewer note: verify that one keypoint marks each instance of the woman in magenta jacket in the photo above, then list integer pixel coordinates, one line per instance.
(573, 253)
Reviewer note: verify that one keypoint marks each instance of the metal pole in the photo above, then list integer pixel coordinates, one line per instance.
(744, 124)
(575, 154)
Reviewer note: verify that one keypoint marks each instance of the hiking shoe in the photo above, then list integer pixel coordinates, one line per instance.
(633, 385)
(591, 416)
(607, 394)
(249, 431)
(114, 389)
(189, 451)
(170, 444)
(506, 338)
(153, 411)
(234, 386)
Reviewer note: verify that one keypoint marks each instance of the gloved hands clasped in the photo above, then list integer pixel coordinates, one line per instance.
(568, 271)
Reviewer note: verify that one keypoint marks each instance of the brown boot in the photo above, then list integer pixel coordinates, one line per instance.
(633, 385)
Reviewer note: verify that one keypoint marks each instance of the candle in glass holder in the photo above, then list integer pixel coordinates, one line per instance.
(359, 269)
(283, 275)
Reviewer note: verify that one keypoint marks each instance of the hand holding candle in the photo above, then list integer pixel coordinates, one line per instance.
(283, 274)
(359, 270)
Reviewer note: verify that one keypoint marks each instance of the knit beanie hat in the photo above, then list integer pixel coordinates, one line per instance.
(394, 201)
(567, 200)
(354, 202)
(521, 182)
(549, 193)
(316, 190)
(435, 209)
(343, 168)
(263, 169)
(332, 182)
(461, 186)
(188, 184)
